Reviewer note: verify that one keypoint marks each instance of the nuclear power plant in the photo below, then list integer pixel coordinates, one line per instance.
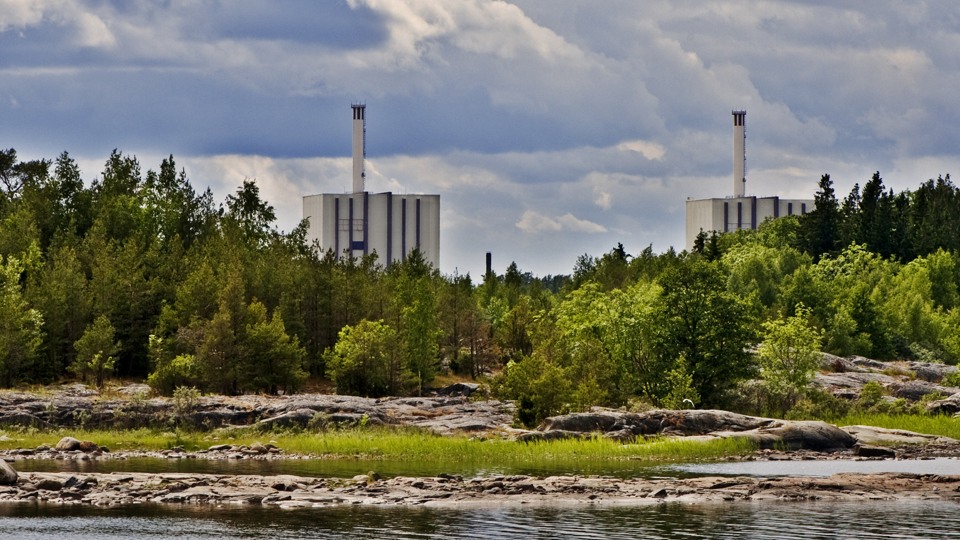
(361, 223)
(740, 211)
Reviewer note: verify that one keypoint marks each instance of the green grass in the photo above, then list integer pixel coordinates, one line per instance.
(376, 444)
(115, 440)
(379, 444)
(944, 426)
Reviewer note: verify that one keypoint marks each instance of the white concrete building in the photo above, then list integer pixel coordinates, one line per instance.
(383, 223)
(740, 211)
(361, 223)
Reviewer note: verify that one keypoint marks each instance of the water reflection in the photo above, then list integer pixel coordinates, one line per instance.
(332, 468)
(624, 469)
(739, 520)
(947, 466)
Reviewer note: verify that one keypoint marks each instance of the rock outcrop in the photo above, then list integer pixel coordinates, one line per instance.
(108, 489)
(8, 475)
(78, 406)
(765, 432)
(910, 380)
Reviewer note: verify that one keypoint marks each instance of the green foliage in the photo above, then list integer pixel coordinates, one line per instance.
(952, 379)
(95, 351)
(789, 353)
(606, 342)
(20, 326)
(818, 403)
(681, 393)
(185, 401)
(234, 305)
(708, 326)
(270, 360)
(365, 361)
(180, 371)
(541, 389)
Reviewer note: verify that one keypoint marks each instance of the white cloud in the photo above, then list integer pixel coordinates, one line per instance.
(648, 149)
(21, 13)
(92, 31)
(533, 222)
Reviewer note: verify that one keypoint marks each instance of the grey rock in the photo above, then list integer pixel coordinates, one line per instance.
(8, 475)
(48, 484)
(297, 418)
(949, 405)
(552, 435)
(866, 450)
(811, 435)
(915, 390)
(458, 389)
(582, 422)
(621, 435)
(765, 432)
(68, 444)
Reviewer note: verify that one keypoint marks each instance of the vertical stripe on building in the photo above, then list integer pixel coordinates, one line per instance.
(389, 229)
(418, 224)
(350, 228)
(366, 210)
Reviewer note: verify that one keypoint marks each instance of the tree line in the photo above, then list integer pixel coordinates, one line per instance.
(139, 275)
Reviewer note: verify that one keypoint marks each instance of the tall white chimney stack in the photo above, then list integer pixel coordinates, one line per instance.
(359, 146)
(739, 152)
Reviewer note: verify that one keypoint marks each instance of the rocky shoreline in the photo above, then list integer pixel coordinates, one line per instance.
(454, 411)
(448, 490)
(284, 491)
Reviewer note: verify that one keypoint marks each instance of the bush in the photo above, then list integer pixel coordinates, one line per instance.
(821, 404)
(951, 379)
(185, 400)
(541, 389)
(366, 361)
(178, 372)
(95, 351)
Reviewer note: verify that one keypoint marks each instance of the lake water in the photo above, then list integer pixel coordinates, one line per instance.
(674, 520)
(788, 520)
(623, 469)
(946, 466)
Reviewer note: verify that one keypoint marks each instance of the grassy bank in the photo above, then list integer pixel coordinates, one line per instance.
(944, 426)
(391, 444)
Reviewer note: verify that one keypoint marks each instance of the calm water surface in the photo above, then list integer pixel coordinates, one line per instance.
(950, 466)
(624, 469)
(746, 520)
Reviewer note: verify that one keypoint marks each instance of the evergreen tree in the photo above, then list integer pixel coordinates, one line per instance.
(821, 228)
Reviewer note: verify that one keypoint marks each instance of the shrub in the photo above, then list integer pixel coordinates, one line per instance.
(818, 403)
(95, 351)
(366, 361)
(185, 401)
(540, 388)
(178, 372)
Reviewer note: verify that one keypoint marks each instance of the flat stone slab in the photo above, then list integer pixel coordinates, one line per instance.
(871, 435)
(108, 489)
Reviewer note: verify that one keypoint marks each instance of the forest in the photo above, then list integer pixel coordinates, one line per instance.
(137, 275)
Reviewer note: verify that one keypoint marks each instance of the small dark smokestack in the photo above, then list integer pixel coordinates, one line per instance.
(489, 263)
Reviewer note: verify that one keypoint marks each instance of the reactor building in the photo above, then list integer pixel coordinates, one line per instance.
(361, 223)
(740, 211)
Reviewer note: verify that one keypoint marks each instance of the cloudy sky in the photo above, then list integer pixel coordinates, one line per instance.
(550, 128)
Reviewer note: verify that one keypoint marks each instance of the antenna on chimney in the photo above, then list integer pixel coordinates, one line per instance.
(739, 152)
(359, 146)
